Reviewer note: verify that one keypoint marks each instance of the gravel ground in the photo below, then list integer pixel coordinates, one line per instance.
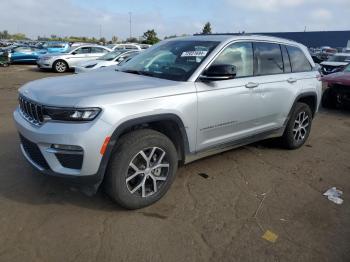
(221, 217)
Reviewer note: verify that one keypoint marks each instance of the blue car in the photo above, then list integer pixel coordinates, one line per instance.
(56, 47)
(26, 54)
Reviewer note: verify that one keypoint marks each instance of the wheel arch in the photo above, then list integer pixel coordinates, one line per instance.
(170, 125)
(309, 98)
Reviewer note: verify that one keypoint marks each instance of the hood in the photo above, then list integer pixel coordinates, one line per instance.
(328, 63)
(341, 78)
(95, 87)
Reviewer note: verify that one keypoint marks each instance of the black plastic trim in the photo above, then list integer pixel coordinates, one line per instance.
(306, 94)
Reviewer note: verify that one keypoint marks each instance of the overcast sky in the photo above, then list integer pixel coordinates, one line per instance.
(85, 17)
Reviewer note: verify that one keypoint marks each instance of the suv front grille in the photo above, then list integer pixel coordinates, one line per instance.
(31, 111)
(33, 152)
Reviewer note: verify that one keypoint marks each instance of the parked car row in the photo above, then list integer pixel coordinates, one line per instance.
(61, 56)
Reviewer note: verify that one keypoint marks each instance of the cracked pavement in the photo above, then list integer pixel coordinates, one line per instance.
(219, 218)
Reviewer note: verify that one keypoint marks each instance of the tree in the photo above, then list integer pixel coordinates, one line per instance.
(102, 40)
(150, 37)
(114, 39)
(131, 40)
(207, 29)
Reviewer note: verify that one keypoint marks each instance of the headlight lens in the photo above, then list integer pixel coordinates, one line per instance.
(70, 114)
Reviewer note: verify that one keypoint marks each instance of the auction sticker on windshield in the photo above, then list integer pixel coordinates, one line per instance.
(194, 53)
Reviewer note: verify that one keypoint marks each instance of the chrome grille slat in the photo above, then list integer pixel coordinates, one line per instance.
(31, 111)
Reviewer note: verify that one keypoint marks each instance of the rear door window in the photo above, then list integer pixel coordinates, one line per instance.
(298, 60)
(267, 59)
(98, 50)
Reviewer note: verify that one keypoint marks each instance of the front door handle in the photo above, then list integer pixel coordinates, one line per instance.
(251, 85)
(291, 80)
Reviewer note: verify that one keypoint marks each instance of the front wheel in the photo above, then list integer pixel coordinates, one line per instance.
(299, 126)
(60, 66)
(141, 169)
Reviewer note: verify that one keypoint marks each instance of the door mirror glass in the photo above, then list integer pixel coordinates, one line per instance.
(219, 72)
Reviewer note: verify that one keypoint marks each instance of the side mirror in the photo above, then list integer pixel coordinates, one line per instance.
(74, 53)
(219, 72)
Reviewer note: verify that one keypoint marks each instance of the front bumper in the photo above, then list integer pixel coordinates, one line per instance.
(44, 63)
(36, 146)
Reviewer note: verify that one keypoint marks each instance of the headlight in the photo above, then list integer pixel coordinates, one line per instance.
(46, 58)
(70, 114)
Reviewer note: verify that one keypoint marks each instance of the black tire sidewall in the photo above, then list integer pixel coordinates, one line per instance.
(128, 147)
(288, 134)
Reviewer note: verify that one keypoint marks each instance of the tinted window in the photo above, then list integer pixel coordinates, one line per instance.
(286, 61)
(98, 50)
(83, 50)
(239, 55)
(298, 60)
(268, 59)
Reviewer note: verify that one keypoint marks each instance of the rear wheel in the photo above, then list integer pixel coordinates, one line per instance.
(298, 128)
(60, 66)
(141, 169)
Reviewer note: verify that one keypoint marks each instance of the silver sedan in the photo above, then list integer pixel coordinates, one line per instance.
(61, 62)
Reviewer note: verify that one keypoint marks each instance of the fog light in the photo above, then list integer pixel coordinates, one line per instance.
(67, 147)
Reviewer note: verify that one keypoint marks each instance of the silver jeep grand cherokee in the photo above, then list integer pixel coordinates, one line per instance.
(178, 101)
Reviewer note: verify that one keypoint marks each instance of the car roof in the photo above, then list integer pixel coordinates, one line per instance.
(92, 45)
(228, 38)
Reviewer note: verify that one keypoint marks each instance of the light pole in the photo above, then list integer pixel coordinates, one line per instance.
(130, 24)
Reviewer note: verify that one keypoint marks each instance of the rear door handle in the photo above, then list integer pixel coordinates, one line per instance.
(251, 85)
(291, 80)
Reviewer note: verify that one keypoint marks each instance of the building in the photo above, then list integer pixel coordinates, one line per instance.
(313, 38)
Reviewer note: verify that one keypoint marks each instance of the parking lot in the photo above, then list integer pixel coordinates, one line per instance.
(217, 209)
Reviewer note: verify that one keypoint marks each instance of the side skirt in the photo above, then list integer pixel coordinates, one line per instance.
(233, 144)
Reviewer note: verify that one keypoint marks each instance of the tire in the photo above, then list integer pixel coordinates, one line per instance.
(60, 66)
(298, 128)
(140, 185)
(329, 99)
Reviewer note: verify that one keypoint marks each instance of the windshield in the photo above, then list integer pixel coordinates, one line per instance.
(338, 58)
(110, 56)
(173, 60)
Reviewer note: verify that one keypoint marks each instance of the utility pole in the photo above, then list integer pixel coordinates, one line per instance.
(100, 31)
(130, 24)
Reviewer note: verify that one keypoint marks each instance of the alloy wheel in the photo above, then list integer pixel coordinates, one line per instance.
(60, 66)
(147, 172)
(301, 125)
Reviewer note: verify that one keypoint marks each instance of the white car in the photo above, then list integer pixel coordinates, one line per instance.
(61, 62)
(109, 59)
(335, 63)
(127, 46)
